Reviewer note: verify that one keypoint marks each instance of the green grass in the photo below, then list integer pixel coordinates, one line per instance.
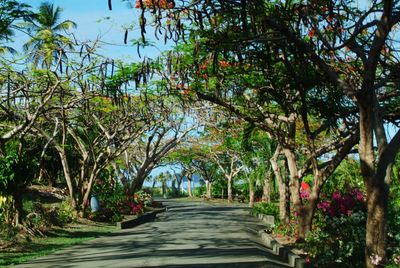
(55, 240)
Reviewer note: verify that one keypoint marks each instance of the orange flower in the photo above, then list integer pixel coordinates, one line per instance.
(224, 64)
(311, 33)
(162, 4)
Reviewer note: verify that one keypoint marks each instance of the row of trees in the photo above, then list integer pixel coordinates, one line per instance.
(71, 115)
(314, 81)
(318, 77)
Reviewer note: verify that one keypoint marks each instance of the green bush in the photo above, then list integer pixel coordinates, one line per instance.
(266, 209)
(105, 215)
(338, 235)
(28, 206)
(112, 199)
(65, 213)
(157, 191)
(341, 242)
(7, 231)
(199, 191)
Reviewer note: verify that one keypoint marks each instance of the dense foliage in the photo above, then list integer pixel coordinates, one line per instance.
(261, 100)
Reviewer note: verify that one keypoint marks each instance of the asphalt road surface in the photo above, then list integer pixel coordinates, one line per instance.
(186, 235)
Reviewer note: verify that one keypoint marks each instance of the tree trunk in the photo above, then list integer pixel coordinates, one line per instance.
(137, 182)
(189, 183)
(67, 176)
(86, 197)
(305, 215)
(251, 194)
(376, 232)
(179, 186)
(121, 176)
(230, 197)
(174, 190)
(294, 187)
(18, 206)
(164, 188)
(266, 197)
(209, 189)
(284, 209)
(376, 199)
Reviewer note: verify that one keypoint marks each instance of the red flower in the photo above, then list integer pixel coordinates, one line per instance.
(311, 33)
(305, 186)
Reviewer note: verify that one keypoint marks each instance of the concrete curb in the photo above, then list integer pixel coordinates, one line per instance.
(148, 216)
(286, 254)
(268, 219)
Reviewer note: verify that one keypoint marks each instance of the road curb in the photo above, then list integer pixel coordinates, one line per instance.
(146, 217)
(288, 255)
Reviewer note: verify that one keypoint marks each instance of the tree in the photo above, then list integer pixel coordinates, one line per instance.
(352, 50)
(370, 82)
(48, 44)
(18, 169)
(183, 157)
(225, 151)
(271, 96)
(11, 13)
(162, 135)
(98, 130)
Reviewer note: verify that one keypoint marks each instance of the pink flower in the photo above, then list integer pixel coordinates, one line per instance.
(336, 195)
(308, 259)
(358, 195)
(304, 194)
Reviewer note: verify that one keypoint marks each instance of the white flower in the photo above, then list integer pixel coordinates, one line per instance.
(375, 259)
(397, 259)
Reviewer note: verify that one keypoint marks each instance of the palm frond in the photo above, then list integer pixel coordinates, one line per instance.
(7, 49)
(64, 26)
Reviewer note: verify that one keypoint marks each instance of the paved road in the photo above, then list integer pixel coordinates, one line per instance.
(186, 235)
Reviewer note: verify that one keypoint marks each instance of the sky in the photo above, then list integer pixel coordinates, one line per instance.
(95, 20)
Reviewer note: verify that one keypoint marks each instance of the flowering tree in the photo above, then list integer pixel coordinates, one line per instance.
(350, 51)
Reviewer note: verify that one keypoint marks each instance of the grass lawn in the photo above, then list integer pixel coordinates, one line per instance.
(55, 240)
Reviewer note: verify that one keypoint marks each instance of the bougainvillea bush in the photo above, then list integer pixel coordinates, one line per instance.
(338, 237)
(137, 202)
(114, 202)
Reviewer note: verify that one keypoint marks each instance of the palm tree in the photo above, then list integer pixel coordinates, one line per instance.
(47, 43)
(11, 12)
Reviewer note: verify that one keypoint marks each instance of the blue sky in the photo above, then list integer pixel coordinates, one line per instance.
(87, 14)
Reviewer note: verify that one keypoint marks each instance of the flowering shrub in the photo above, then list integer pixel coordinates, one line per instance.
(137, 202)
(162, 4)
(304, 190)
(343, 204)
(339, 231)
(135, 209)
(112, 201)
(266, 209)
(144, 197)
